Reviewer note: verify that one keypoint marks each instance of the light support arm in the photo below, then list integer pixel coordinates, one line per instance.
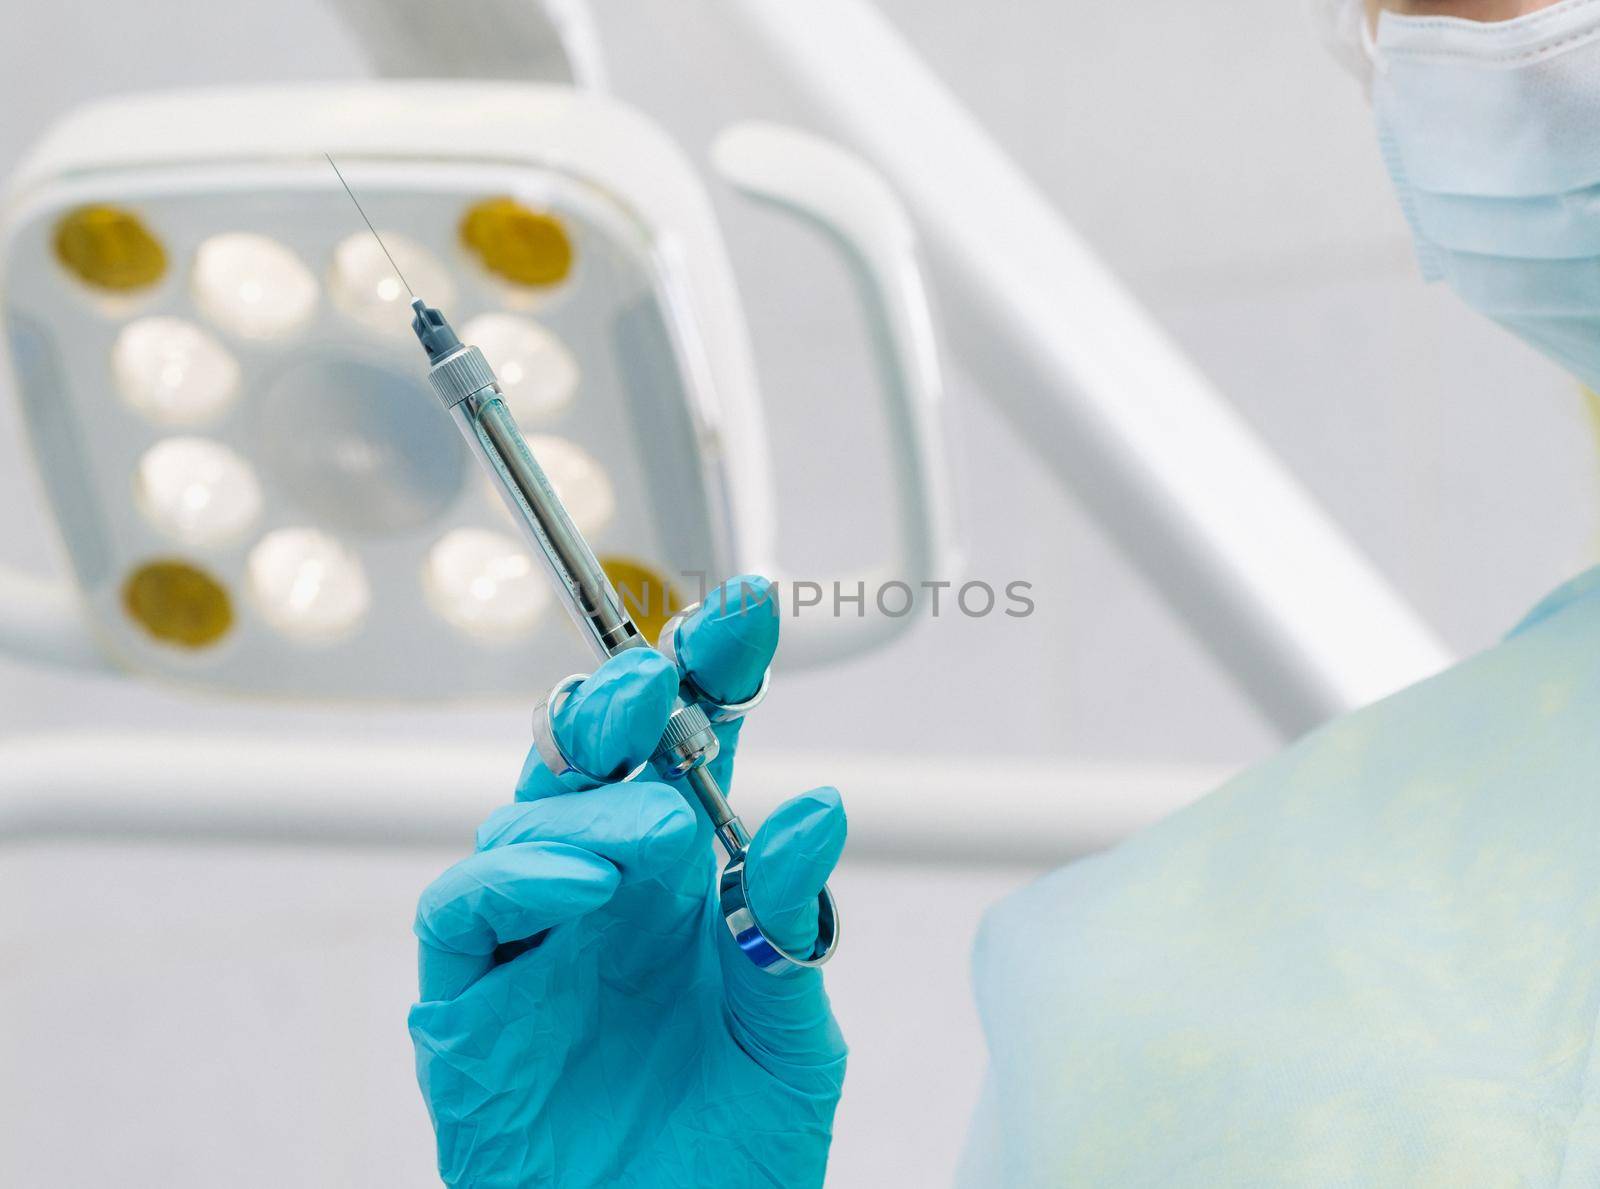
(1261, 574)
(185, 790)
(41, 621)
(815, 181)
(514, 40)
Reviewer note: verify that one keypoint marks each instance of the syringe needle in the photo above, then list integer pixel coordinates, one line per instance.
(370, 227)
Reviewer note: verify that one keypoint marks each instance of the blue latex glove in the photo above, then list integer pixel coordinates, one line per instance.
(632, 1044)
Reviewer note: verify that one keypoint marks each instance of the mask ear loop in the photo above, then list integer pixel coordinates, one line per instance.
(1369, 47)
(1428, 259)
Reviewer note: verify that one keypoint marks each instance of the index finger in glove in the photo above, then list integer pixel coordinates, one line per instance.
(641, 827)
(503, 895)
(726, 646)
(725, 649)
(608, 726)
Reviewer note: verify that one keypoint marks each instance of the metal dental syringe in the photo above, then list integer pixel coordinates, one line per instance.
(464, 382)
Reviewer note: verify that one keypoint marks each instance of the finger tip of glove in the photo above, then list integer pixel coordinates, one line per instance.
(728, 644)
(746, 604)
(825, 797)
(635, 673)
(753, 588)
(499, 823)
(813, 809)
(811, 827)
(792, 857)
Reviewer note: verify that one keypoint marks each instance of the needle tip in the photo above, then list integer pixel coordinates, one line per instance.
(362, 212)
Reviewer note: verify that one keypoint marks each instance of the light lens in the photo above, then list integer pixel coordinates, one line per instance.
(485, 584)
(173, 372)
(645, 592)
(364, 284)
(307, 585)
(197, 490)
(252, 286)
(580, 482)
(537, 374)
(357, 447)
(109, 248)
(517, 243)
(178, 604)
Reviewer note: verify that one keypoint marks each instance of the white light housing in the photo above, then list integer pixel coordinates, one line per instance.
(307, 585)
(365, 285)
(536, 371)
(252, 286)
(486, 584)
(197, 491)
(172, 372)
(369, 562)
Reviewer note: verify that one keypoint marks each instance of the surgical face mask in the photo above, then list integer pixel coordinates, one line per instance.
(1491, 132)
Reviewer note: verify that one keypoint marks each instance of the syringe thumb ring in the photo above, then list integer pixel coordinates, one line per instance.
(733, 898)
(732, 893)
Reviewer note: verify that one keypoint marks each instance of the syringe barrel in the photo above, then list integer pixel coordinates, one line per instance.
(595, 606)
(470, 392)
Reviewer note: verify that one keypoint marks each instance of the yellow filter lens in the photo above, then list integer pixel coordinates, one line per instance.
(646, 594)
(109, 248)
(517, 243)
(178, 604)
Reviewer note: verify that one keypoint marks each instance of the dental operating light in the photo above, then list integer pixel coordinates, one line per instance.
(216, 375)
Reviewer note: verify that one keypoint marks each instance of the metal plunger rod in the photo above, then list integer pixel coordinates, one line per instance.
(730, 830)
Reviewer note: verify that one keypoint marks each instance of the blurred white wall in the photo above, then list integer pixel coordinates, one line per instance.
(230, 1017)
(1226, 170)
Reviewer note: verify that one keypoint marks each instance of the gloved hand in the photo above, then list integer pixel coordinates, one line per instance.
(585, 1016)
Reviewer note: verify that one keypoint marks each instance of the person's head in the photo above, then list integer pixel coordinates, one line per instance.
(1485, 113)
